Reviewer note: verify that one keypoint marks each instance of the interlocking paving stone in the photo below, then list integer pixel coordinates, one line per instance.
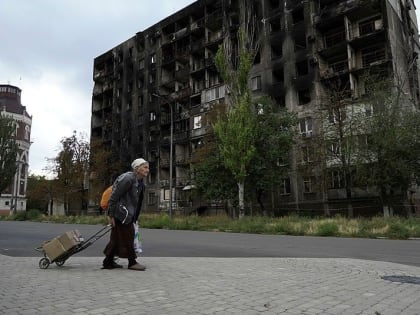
(210, 286)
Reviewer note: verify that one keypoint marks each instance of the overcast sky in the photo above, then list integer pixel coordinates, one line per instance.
(47, 49)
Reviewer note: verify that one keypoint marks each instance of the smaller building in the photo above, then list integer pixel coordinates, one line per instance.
(13, 198)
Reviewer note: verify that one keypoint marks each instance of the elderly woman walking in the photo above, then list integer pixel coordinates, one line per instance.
(123, 211)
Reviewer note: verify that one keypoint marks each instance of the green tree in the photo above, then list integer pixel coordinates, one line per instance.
(371, 144)
(213, 181)
(336, 147)
(8, 151)
(275, 139)
(236, 138)
(40, 191)
(393, 153)
(275, 135)
(236, 132)
(103, 169)
(71, 167)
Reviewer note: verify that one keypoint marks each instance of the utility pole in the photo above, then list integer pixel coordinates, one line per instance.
(171, 141)
(16, 188)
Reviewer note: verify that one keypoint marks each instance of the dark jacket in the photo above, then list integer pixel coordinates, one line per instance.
(127, 192)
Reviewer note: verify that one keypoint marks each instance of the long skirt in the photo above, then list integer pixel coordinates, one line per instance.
(121, 241)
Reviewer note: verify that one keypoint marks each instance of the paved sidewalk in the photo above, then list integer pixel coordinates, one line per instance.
(210, 286)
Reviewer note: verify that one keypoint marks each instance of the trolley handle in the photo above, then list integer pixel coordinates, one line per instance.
(100, 233)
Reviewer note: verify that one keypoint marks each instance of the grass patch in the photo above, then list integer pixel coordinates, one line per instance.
(392, 227)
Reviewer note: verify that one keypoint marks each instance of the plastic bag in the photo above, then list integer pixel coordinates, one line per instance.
(137, 240)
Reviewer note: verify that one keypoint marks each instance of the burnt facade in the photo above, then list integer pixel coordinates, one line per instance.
(152, 91)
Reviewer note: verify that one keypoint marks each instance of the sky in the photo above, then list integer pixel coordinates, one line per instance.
(47, 50)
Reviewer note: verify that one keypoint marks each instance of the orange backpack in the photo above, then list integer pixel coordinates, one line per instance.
(105, 198)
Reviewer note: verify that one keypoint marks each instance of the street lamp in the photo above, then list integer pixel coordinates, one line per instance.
(171, 140)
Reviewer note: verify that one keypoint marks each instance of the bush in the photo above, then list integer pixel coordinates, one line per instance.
(33, 214)
(398, 230)
(20, 216)
(327, 229)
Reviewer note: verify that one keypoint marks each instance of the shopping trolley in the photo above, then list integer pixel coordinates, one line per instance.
(65, 254)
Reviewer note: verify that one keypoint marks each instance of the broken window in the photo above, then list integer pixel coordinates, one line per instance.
(372, 55)
(120, 57)
(337, 179)
(339, 66)
(280, 100)
(305, 125)
(308, 184)
(277, 76)
(285, 186)
(256, 83)
(275, 25)
(364, 142)
(151, 196)
(368, 110)
(152, 116)
(300, 43)
(304, 96)
(336, 115)
(302, 68)
(369, 26)
(274, 4)
(297, 15)
(307, 154)
(333, 148)
(257, 58)
(276, 51)
(334, 37)
(197, 122)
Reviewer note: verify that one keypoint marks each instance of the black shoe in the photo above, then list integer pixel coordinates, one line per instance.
(112, 265)
(137, 267)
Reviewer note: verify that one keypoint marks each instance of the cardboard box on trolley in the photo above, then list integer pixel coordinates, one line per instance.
(53, 248)
(70, 239)
(61, 244)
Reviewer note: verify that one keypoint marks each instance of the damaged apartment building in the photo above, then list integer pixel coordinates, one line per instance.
(152, 91)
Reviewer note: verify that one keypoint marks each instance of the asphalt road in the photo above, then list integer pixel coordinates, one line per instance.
(19, 239)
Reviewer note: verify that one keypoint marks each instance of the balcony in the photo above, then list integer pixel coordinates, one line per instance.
(334, 44)
(164, 162)
(181, 136)
(371, 57)
(181, 160)
(182, 73)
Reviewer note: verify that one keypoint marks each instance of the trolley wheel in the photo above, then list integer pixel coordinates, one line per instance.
(60, 262)
(44, 263)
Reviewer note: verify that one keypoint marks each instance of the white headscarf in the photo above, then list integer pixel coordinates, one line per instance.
(138, 162)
